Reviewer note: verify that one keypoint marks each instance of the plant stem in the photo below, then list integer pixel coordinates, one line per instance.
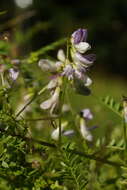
(2, 79)
(60, 110)
(42, 90)
(62, 96)
(60, 131)
(25, 106)
(45, 49)
(89, 156)
(31, 100)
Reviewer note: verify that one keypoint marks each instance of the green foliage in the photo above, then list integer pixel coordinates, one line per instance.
(112, 105)
(74, 171)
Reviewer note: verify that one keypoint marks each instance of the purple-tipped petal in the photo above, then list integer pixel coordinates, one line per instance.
(86, 114)
(79, 35)
(81, 68)
(90, 57)
(69, 133)
(68, 72)
(84, 59)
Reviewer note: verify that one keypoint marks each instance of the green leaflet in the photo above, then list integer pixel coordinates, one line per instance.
(114, 106)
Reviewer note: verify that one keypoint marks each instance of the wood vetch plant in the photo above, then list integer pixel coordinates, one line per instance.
(70, 156)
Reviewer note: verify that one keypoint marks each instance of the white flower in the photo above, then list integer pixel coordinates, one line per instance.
(83, 60)
(61, 56)
(52, 84)
(86, 114)
(52, 66)
(58, 65)
(47, 65)
(51, 102)
(68, 133)
(13, 73)
(88, 81)
(68, 72)
(55, 133)
(82, 47)
(84, 131)
(81, 75)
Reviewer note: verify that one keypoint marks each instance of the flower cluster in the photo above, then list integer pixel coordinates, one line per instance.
(75, 70)
(54, 86)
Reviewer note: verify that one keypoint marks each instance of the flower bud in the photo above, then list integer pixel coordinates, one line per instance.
(78, 36)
